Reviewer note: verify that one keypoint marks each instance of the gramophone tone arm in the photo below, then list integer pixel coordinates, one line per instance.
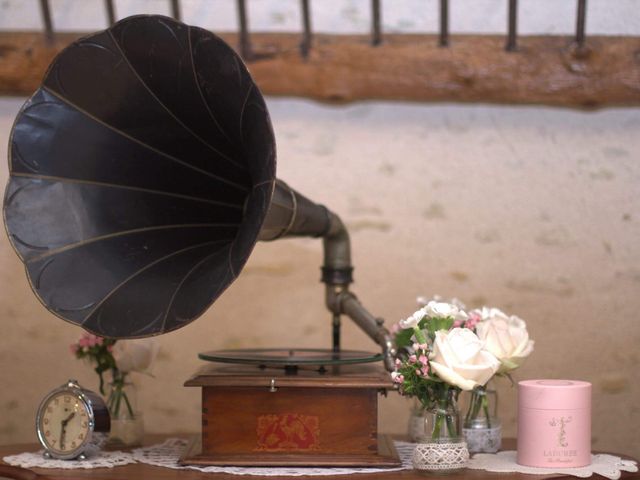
(342, 301)
(292, 214)
(337, 275)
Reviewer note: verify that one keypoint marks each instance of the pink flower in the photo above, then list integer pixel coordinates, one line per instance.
(425, 370)
(399, 379)
(94, 340)
(475, 317)
(398, 362)
(84, 341)
(413, 359)
(471, 324)
(457, 323)
(473, 320)
(423, 360)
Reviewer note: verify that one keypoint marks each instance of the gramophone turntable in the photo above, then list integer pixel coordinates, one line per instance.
(142, 175)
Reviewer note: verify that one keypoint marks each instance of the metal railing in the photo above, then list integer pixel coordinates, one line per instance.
(511, 43)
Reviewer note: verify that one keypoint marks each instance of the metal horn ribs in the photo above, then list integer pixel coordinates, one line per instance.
(141, 172)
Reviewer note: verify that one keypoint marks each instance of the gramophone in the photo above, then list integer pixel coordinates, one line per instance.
(142, 175)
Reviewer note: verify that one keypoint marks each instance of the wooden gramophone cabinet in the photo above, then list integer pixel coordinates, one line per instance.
(268, 417)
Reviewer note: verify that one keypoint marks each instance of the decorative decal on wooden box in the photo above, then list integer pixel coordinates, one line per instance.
(288, 432)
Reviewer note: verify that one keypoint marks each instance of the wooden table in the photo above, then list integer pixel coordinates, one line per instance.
(140, 471)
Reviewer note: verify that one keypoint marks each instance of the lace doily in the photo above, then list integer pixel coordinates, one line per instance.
(440, 456)
(608, 466)
(99, 459)
(167, 454)
(487, 440)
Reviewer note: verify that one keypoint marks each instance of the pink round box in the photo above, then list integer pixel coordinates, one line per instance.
(554, 423)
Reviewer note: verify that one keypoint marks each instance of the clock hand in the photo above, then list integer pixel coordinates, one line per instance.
(63, 431)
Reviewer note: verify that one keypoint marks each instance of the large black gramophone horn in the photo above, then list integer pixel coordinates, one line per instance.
(143, 173)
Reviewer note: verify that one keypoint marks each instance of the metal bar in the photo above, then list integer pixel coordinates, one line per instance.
(444, 23)
(111, 11)
(336, 332)
(580, 23)
(376, 28)
(175, 9)
(46, 18)
(305, 46)
(512, 36)
(245, 43)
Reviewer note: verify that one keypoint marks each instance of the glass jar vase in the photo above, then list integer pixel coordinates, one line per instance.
(482, 428)
(416, 422)
(127, 424)
(442, 448)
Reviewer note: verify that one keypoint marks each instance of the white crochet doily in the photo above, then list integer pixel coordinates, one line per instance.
(100, 459)
(167, 454)
(608, 466)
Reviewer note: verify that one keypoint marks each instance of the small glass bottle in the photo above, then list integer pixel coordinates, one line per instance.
(127, 423)
(482, 428)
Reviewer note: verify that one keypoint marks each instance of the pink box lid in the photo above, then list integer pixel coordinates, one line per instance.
(552, 394)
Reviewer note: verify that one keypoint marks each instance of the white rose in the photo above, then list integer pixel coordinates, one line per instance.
(459, 359)
(413, 320)
(444, 310)
(487, 313)
(506, 337)
(423, 301)
(135, 355)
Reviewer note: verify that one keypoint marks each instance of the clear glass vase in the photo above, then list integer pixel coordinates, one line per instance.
(416, 422)
(482, 428)
(127, 423)
(441, 448)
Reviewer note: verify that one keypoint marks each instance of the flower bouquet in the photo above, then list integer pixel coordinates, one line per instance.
(119, 358)
(443, 356)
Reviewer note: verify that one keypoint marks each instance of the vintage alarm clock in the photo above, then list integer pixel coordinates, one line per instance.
(71, 422)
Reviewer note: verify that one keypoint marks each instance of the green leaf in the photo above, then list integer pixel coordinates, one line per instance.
(403, 338)
(420, 335)
(435, 324)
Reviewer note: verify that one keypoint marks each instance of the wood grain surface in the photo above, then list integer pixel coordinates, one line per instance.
(253, 416)
(548, 70)
(345, 419)
(140, 471)
(346, 376)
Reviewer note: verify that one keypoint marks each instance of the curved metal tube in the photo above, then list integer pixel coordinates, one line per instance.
(292, 214)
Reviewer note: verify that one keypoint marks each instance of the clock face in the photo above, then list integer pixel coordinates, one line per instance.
(64, 423)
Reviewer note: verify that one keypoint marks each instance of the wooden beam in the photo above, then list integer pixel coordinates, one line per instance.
(548, 70)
